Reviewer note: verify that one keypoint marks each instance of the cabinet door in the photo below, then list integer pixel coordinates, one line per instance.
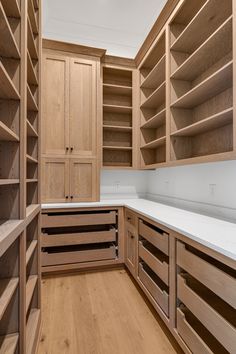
(83, 125)
(83, 180)
(131, 250)
(55, 105)
(55, 180)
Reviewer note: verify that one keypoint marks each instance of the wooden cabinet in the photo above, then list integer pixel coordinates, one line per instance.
(70, 128)
(131, 241)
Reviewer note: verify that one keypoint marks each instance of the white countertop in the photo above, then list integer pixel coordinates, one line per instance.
(214, 233)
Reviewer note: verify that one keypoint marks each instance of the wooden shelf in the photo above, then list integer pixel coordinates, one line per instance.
(31, 43)
(31, 104)
(204, 23)
(155, 144)
(32, 210)
(31, 180)
(156, 121)
(200, 60)
(31, 75)
(7, 88)
(117, 77)
(9, 231)
(156, 98)
(7, 290)
(117, 90)
(6, 134)
(117, 148)
(11, 8)
(30, 287)
(156, 76)
(36, 4)
(32, 17)
(30, 250)
(31, 159)
(210, 87)
(31, 330)
(4, 182)
(30, 130)
(117, 128)
(117, 109)
(216, 121)
(8, 344)
(8, 46)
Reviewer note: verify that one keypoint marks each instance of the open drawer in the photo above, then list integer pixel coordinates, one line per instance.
(154, 286)
(78, 219)
(156, 260)
(157, 237)
(61, 255)
(195, 335)
(215, 315)
(78, 238)
(211, 274)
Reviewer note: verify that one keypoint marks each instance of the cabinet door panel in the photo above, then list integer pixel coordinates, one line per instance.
(131, 250)
(55, 105)
(83, 107)
(83, 179)
(55, 180)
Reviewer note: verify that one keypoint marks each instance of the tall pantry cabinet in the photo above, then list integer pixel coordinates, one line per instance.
(70, 127)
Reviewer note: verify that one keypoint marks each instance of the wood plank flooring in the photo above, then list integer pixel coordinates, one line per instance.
(99, 313)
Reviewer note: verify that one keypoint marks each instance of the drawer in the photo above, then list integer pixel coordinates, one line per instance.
(130, 217)
(160, 296)
(158, 239)
(89, 255)
(78, 219)
(221, 283)
(189, 331)
(158, 265)
(223, 330)
(80, 238)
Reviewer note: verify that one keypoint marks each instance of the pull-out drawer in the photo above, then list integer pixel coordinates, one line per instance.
(195, 335)
(155, 260)
(78, 256)
(215, 315)
(78, 219)
(130, 218)
(78, 238)
(216, 279)
(151, 284)
(158, 238)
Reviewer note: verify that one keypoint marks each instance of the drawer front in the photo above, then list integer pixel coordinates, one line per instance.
(81, 238)
(78, 219)
(49, 259)
(160, 268)
(160, 296)
(161, 241)
(212, 277)
(130, 218)
(190, 336)
(220, 328)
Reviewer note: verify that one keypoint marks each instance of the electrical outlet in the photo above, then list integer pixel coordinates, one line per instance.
(117, 185)
(212, 187)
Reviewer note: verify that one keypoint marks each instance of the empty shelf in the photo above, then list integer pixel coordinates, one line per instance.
(11, 8)
(31, 43)
(156, 76)
(8, 46)
(31, 330)
(6, 134)
(117, 128)
(30, 130)
(7, 290)
(32, 17)
(7, 88)
(31, 180)
(9, 231)
(30, 287)
(117, 148)
(117, 109)
(32, 210)
(31, 159)
(154, 144)
(216, 121)
(30, 250)
(31, 74)
(156, 98)
(4, 182)
(117, 90)
(156, 121)
(213, 85)
(31, 104)
(8, 343)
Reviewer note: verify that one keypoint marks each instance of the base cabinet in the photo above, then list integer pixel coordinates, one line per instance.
(191, 287)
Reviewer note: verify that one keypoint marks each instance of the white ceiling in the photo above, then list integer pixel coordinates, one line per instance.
(120, 26)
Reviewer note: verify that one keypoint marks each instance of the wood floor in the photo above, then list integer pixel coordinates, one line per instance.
(99, 313)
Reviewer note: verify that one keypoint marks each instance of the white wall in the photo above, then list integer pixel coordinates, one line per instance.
(123, 184)
(207, 188)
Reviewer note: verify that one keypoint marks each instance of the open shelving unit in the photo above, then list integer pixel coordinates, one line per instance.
(19, 178)
(117, 117)
(153, 104)
(201, 98)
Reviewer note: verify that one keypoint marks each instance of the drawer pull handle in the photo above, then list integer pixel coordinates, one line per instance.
(67, 197)
(71, 149)
(132, 236)
(71, 197)
(67, 148)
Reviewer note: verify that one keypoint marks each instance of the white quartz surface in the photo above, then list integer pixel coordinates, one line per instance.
(216, 234)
